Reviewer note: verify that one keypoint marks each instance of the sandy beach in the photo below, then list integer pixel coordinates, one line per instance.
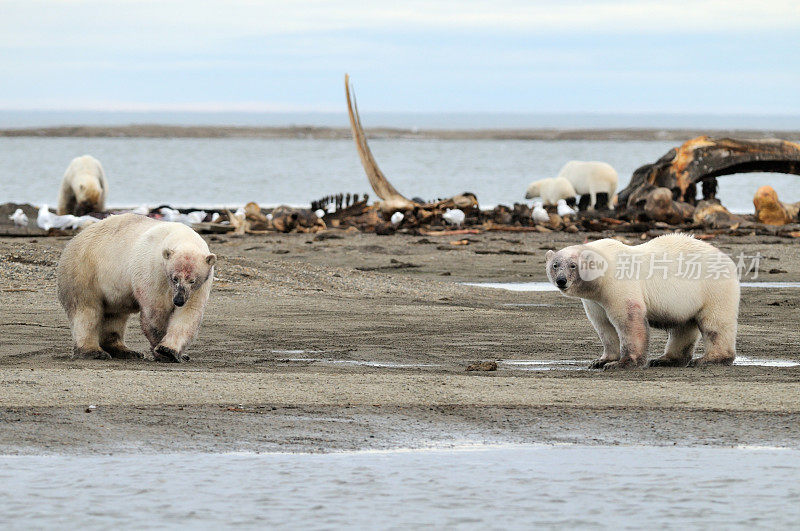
(344, 340)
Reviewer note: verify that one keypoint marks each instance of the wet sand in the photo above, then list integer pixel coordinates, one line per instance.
(348, 341)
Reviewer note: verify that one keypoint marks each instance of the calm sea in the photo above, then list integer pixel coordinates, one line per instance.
(231, 172)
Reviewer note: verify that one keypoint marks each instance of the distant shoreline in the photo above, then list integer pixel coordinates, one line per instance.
(334, 133)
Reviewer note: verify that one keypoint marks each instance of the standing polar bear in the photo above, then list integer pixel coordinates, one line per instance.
(673, 282)
(591, 178)
(83, 188)
(126, 264)
(550, 190)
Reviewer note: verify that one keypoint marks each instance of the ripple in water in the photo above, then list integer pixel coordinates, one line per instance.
(502, 487)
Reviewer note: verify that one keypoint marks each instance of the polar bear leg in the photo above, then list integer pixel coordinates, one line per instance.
(630, 320)
(680, 347)
(86, 324)
(183, 326)
(181, 330)
(719, 339)
(154, 325)
(112, 337)
(608, 334)
(592, 197)
(66, 201)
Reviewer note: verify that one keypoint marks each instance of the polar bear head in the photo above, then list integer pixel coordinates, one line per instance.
(533, 190)
(88, 192)
(576, 270)
(188, 269)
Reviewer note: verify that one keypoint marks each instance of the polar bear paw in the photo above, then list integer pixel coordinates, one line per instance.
(86, 354)
(668, 362)
(123, 353)
(168, 355)
(624, 363)
(599, 363)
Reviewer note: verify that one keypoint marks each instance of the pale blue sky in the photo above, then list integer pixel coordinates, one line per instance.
(705, 56)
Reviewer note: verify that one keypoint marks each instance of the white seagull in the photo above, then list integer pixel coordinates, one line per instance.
(19, 218)
(563, 209)
(454, 217)
(47, 220)
(170, 214)
(539, 214)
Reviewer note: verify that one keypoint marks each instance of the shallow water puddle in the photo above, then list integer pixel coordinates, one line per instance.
(760, 362)
(361, 363)
(546, 286)
(544, 365)
(382, 364)
(515, 286)
(770, 284)
(582, 365)
(296, 351)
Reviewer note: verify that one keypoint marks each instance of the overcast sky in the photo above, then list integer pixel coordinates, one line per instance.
(714, 56)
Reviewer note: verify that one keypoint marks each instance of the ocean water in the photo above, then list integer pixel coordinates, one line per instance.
(482, 487)
(231, 172)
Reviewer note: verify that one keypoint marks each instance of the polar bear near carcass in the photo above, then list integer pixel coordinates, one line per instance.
(550, 190)
(673, 282)
(591, 178)
(83, 188)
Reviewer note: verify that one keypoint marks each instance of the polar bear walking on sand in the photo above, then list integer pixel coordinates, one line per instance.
(83, 188)
(672, 282)
(591, 178)
(126, 264)
(550, 190)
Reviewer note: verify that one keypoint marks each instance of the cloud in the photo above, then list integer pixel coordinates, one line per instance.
(503, 55)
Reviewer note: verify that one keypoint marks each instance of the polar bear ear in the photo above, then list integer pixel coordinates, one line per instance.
(167, 254)
(211, 259)
(550, 254)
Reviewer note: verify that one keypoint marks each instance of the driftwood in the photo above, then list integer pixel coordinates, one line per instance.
(392, 200)
(703, 159)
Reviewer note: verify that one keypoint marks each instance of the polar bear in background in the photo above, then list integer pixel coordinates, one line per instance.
(83, 188)
(674, 282)
(550, 190)
(591, 178)
(126, 264)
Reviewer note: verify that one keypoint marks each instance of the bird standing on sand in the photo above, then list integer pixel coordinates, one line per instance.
(539, 214)
(169, 214)
(563, 209)
(46, 220)
(454, 217)
(397, 218)
(19, 218)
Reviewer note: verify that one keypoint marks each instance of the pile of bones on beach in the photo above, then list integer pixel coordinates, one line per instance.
(661, 197)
